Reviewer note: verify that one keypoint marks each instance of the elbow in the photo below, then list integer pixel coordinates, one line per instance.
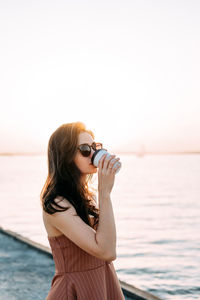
(110, 256)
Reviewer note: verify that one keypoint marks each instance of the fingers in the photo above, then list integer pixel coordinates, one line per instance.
(113, 162)
(103, 162)
(109, 163)
(116, 166)
(100, 163)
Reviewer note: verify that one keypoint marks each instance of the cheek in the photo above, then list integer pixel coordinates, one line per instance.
(80, 161)
(77, 160)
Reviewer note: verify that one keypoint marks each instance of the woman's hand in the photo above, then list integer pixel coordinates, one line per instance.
(106, 173)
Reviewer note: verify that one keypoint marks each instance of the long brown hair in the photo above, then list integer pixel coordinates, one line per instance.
(64, 177)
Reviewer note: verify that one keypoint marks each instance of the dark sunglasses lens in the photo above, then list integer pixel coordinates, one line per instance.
(85, 150)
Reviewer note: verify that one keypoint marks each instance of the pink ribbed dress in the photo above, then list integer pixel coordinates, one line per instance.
(79, 275)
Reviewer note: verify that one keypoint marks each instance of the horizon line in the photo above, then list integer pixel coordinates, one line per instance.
(120, 152)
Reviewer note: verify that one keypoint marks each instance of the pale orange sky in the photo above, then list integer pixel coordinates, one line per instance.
(128, 70)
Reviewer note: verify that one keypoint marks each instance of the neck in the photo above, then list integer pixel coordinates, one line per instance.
(83, 178)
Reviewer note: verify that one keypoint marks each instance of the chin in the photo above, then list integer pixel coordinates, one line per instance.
(92, 169)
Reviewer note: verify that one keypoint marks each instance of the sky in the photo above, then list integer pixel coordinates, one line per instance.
(129, 70)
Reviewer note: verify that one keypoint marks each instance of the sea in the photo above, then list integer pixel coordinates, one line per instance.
(156, 203)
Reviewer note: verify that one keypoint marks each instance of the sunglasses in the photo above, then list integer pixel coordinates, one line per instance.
(85, 149)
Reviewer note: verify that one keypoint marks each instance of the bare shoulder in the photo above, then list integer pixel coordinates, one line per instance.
(50, 219)
(63, 203)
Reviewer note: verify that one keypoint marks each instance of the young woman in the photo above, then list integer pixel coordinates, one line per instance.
(81, 235)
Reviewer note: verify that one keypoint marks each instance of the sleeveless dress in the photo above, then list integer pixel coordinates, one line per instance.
(79, 275)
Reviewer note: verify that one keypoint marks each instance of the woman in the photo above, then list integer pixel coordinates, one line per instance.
(82, 236)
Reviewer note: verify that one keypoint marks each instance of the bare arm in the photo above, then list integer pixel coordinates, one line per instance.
(106, 232)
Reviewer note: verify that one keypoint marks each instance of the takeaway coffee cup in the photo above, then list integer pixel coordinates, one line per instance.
(97, 156)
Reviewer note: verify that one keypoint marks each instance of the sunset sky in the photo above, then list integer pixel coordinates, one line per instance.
(130, 70)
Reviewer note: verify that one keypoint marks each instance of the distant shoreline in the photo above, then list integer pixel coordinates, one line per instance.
(118, 152)
(20, 154)
(158, 153)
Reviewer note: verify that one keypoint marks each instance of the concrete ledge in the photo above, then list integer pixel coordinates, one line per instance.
(26, 273)
(27, 241)
(137, 294)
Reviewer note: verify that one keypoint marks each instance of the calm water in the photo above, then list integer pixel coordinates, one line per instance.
(156, 201)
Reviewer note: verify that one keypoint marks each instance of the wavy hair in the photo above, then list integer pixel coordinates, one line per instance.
(64, 177)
